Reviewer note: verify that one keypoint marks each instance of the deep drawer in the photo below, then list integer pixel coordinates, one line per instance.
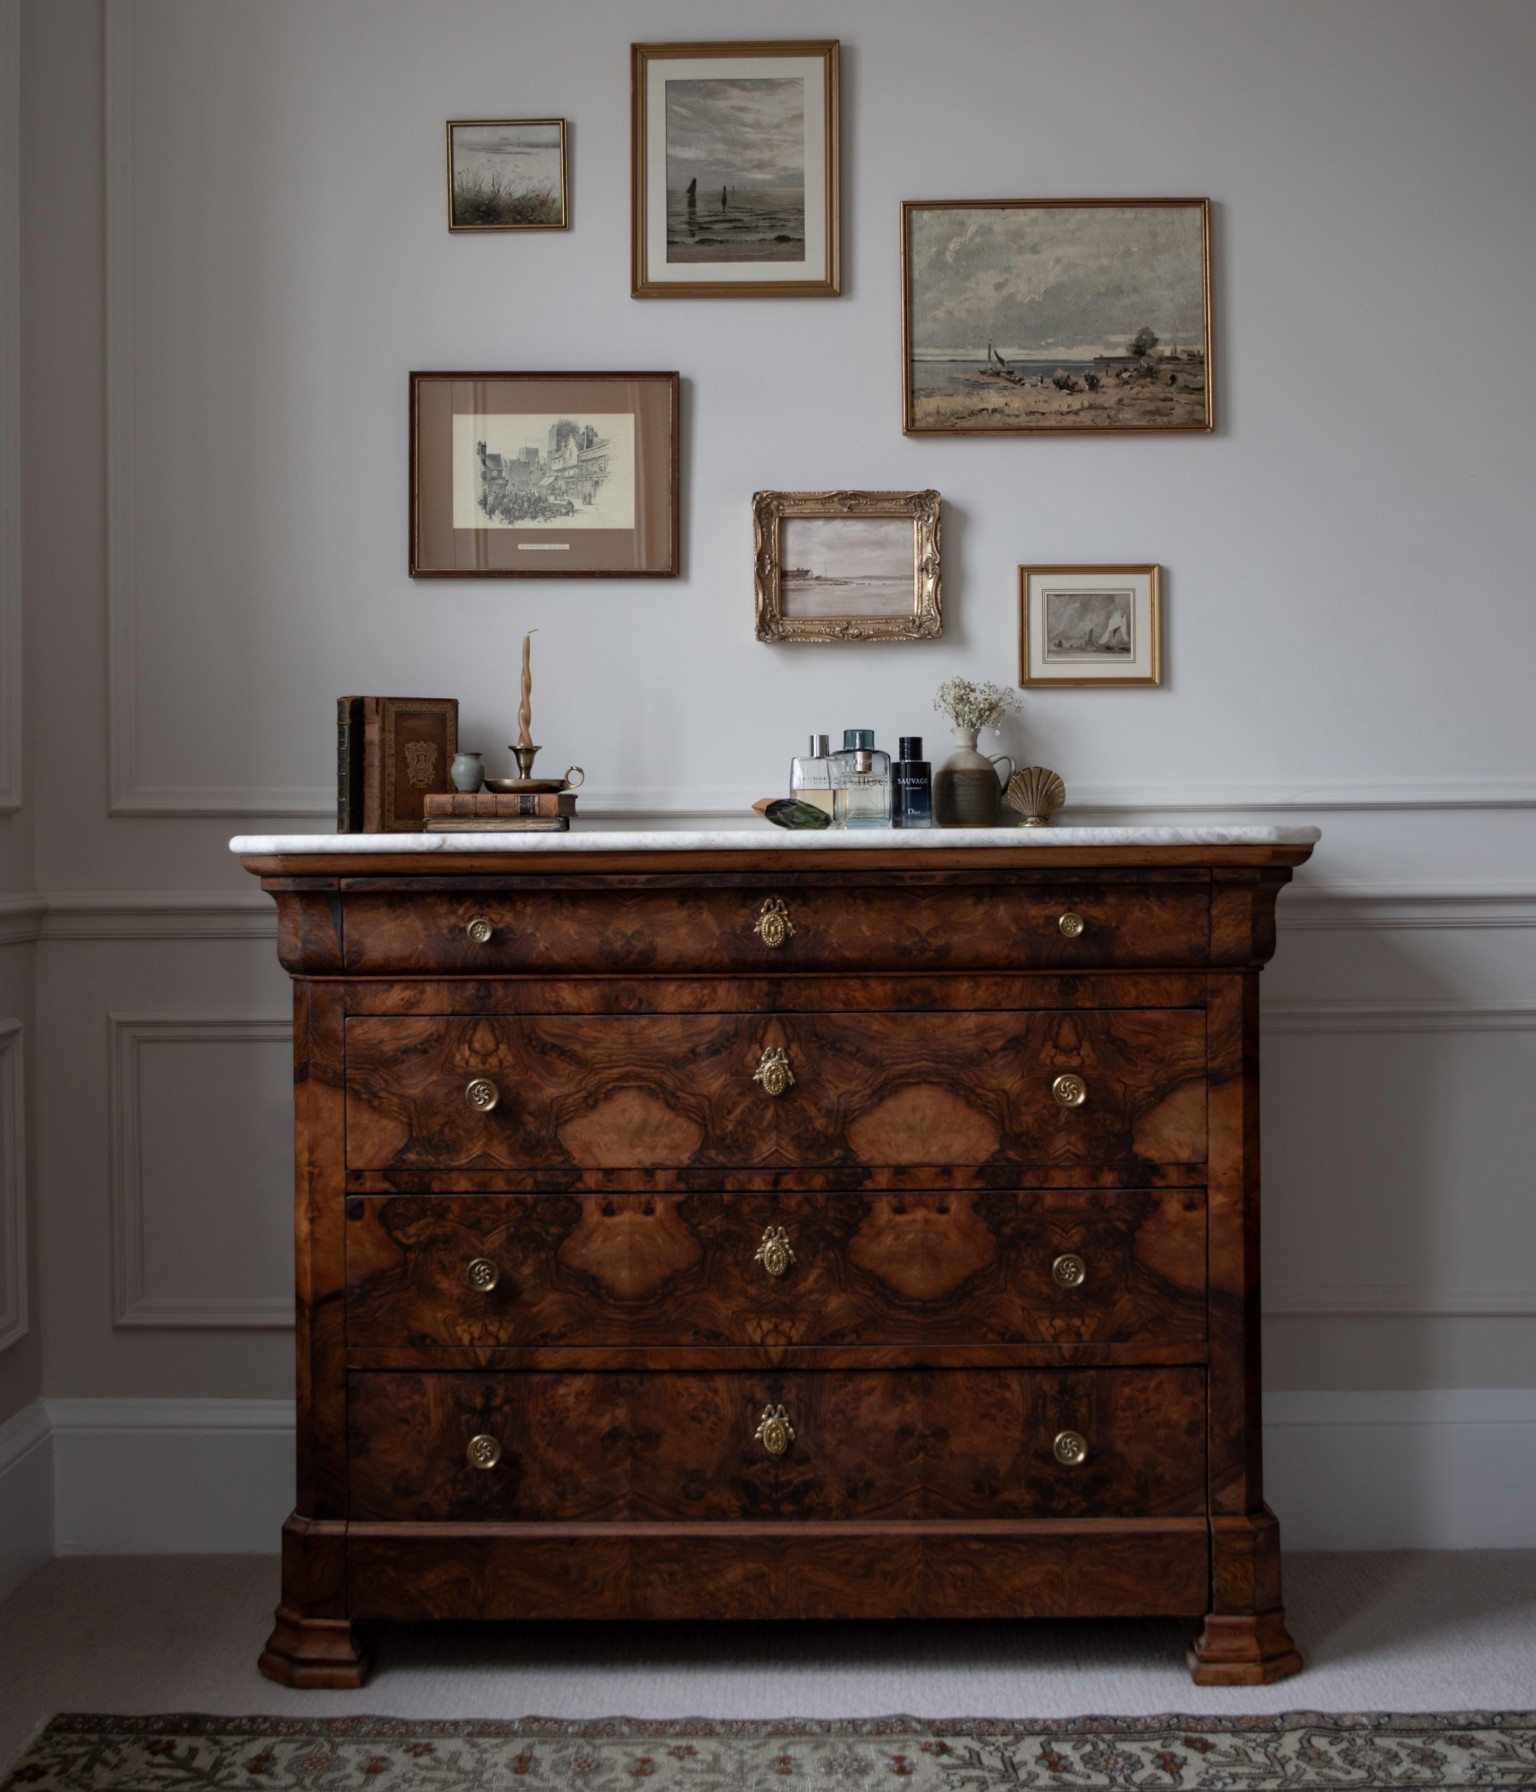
(659, 1091)
(973, 1443)
(764, 927)
(715, 1269)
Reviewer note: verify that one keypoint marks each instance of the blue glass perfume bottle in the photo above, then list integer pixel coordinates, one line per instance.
(861, 782)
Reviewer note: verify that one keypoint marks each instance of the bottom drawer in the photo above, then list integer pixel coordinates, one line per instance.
(899, 1444)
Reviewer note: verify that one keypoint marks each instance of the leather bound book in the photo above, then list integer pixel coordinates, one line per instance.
(408, 745)
(498, 824)
(486, 804)
(349, 765)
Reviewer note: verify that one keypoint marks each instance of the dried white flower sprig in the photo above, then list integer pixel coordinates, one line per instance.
(971, 705)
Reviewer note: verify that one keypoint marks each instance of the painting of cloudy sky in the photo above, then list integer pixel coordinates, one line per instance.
(736, 169)
(1069, 282)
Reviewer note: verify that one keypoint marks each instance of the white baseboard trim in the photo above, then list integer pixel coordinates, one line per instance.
(1431, 1469)
(26, 1496)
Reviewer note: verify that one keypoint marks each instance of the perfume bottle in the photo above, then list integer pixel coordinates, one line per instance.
(810, 777)
(911, 786)
(861, 782)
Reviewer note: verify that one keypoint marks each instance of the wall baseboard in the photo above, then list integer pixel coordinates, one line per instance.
(1431, 1469)
(26, 1496)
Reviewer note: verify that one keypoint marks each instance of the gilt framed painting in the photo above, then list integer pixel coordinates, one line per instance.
(735, 170)
(847, 566)
(1090, 625)
(1056, 316)
(544, 475)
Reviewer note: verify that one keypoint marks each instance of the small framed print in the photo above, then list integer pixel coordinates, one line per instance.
(847, 566)
(507, 174)
(1090, 625)
(734, 170)
(544, 475)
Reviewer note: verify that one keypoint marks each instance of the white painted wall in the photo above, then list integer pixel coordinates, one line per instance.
(1346, 561)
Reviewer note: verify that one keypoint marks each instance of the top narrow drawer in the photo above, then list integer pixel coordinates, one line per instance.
(762, 926)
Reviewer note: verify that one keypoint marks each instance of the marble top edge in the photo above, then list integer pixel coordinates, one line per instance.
(763, 839)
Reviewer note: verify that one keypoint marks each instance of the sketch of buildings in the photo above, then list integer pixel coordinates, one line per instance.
(533, 487)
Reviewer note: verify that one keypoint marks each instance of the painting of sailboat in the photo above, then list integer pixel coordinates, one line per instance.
(1089, 625)
(736, 169)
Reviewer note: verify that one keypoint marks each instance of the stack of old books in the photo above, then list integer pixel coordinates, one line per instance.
(496, 812)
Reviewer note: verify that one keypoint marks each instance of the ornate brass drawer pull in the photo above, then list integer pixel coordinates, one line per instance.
(774, 1431)
(482, 1094)
(1071, 924)
(482, 1275)
(1070, 1090)
(774, 1253)
(1071, 1448)
(1069, 1270)
(774, 1072)
(480, 930)
(483, 1451)
(773, 926)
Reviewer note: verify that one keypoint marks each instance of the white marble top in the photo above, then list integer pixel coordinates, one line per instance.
(766, 838)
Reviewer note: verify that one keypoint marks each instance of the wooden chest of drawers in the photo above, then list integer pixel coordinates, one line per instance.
(689, 1234)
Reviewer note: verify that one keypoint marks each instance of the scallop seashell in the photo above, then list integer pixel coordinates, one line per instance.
(1037, 793)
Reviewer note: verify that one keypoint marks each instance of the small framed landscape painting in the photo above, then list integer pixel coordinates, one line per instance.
(1055, 316)
(544, 475)
(734, 170)
(847, 566)
(507, 174)
(1086, 625)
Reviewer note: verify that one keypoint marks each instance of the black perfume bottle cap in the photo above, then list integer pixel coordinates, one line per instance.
(911, 747)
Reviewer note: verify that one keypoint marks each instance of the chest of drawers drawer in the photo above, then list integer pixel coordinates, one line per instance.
(626, 1271)
(788, 925)
(652, 1091)
(731, 1446)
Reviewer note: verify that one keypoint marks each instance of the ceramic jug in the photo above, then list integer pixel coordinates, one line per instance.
(968, 787)
(467, 772)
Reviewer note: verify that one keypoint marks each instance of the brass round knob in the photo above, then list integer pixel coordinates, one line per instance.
(480, 930)
(483, 1451)
(482, 1275)
(774, 1072)
(774, 1253)
(773, 926)
(1069, 1270)
(1071, 924)
(1070, 1090)
(1071, 1448)
(482, 1094)
(774, 1431)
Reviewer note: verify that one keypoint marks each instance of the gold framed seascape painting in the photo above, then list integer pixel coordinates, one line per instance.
(1056, 316)
(507, 174)
(1090, 625)
(847, 566)
(735, 170)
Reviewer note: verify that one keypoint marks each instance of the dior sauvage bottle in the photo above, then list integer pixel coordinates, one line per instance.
(810, 777)
(911, 786)
(861, 782)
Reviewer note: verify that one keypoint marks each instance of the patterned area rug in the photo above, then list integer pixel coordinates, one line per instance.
(1301, 1751)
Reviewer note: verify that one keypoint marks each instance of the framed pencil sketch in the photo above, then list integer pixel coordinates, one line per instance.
(1056, 316)
(734, 170)
(847, 566)
(544, 475)
(507, 174)
(1090, 625)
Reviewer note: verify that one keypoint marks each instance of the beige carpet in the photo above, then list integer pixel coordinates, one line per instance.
(1381, 1632)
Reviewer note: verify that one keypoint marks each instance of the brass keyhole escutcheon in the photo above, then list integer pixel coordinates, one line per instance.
(1071, 924)
(774, 1072)
(774, 1253)
(773, 926)
(1070, 1090)
(1071, 1448)
(480, 930)
(1069, 1270)
(483, 1452)
(482, 1094)
(482, 1275)
(774, 1431)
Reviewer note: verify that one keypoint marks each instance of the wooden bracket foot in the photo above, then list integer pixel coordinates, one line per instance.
(1243, 1651)
(313, 1653)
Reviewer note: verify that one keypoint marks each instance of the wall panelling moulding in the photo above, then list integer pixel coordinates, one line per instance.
(13, 1186)
(11, 737)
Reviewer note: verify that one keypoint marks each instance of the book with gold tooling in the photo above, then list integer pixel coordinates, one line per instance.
(498, 824)
(486, 805)
(392, 754)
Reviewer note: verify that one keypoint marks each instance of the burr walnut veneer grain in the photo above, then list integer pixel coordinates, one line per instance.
(901, 1261)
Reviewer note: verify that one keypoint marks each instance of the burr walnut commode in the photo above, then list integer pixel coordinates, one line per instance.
(853, 1230)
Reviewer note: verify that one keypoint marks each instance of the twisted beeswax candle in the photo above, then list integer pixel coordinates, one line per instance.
(525, 708)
